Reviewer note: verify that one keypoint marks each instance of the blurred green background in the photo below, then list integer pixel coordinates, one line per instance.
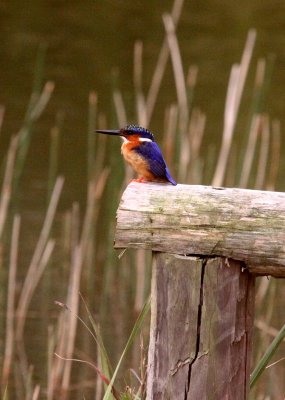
(90, 47)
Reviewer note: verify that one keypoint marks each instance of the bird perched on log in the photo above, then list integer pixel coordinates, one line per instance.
(142, 152)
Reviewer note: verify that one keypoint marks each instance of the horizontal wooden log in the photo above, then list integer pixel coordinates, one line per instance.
(245, 225)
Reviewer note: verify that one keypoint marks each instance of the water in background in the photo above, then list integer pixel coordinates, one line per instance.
(89, 45)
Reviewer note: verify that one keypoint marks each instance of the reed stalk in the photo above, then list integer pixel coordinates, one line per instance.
(196, 131)
(121, 114)
(265, 328)
(191, 82)
(265, 313)
(37, 265)
(262, 290)
(35, 109)
(233, 99)
(170, 124)
(2, 113)
(99, 383)
(120, 107)
(29, 383)
(10, 315)
(68, 323)
(74, 285)
(50, 355)
(256, 108)
(36, 392)
(266, 82)
(88, 219)
(178, 72)
(26, 296)
(73, 299)
(6, 191)
(257, 95)
(181, 91)
(263, 153)
(108, 272)
(57, 343)
(275, 155)
(161, 65)
(249, 151)
(138, 87)
(55, 134)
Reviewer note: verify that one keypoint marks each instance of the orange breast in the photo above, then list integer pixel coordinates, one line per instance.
(137, 162)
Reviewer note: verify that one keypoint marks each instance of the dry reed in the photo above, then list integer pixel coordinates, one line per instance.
(160, 67)
(39, 260)
(263, 153)
(181, 91)
(233, 99)
(138, 86)
(6, 191)
(249, 151)
(2, 113)
(10, 314)
(275, 155)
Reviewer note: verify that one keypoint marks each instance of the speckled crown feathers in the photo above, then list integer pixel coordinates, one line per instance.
(138, 130)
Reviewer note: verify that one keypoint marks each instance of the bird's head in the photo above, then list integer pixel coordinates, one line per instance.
(131, 133)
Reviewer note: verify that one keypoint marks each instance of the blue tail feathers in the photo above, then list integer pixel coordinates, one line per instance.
(169, 177)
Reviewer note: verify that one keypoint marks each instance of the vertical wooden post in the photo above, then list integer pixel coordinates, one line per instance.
(201, 328)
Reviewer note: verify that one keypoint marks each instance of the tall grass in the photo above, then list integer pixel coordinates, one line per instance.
(80, 249)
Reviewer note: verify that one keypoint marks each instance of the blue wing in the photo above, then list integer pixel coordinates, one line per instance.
(152, 154)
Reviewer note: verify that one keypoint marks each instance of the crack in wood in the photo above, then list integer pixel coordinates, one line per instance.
(179, 364)
(199, 320)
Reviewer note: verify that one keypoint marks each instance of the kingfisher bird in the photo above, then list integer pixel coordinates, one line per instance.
(142, 152)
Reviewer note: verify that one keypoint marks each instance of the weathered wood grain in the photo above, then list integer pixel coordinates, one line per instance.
(245, 225)
(201, 326)
(175, 302)
(222, 367)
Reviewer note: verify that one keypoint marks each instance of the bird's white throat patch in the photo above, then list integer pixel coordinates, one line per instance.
(142, 139)
(125, 140)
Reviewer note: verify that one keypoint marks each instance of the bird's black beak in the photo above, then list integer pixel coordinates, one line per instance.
(110, 132)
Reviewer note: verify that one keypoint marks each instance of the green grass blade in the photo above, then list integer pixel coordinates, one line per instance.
(136, 329)
(105, 361)
(266, 357)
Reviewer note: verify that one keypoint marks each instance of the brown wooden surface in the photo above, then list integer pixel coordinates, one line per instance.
(201, 326)
(245, 225)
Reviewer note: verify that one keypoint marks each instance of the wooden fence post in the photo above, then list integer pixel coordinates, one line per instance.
(208, 245)
(201, 325)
